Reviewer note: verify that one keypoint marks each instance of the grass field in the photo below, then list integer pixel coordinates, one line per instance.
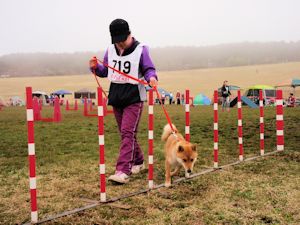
(266, 191)
(198, 81)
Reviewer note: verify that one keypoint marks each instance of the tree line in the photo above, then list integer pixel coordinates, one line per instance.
(165, 58)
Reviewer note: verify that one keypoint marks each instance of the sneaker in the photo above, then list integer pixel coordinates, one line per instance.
(119, 177)
(137, 168)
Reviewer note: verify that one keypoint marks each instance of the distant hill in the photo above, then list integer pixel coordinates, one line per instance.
(165, 59)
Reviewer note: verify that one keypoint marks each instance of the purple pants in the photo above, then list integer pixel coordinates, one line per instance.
(128, 119)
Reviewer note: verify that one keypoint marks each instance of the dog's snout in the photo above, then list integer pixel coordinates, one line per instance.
(189, 171)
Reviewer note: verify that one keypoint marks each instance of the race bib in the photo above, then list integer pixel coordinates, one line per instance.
(128, 64)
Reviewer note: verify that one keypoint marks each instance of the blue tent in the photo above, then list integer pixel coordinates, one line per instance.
(295, 82)
(62, 92)
(201, 99)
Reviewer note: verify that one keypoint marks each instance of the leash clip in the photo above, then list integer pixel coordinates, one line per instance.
(174, 134)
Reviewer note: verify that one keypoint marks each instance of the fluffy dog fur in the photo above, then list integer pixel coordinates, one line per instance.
(178, 153)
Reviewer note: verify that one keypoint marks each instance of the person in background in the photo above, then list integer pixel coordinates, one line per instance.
(225, 96)
(178, 98)
(163, 97)
(171, 98)
(126, 96)
(182, 98)
(52, 97)
(291, 100)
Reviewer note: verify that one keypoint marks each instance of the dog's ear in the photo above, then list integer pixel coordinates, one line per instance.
(180, 148)
(194, 148)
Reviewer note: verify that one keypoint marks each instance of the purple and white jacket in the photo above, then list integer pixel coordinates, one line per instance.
(124, 94)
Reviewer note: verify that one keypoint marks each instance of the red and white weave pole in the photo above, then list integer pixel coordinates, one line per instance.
(261, 123)
(187, 115)
(101, 146)
(240, 127)
(150, 139)
(279, 121)
(31, 155)
(216, 129)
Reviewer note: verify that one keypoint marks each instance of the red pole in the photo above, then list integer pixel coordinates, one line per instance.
(261, 123)
(76, 105)
(36, 109)
(101, 145)
(216, 129)
(57, 114)
(31, 155)
(150, 138)
(40, 104)
(240, 127)
(279, 121)
(187, 115)
(67, 105)
(91, 104)
(85, 108)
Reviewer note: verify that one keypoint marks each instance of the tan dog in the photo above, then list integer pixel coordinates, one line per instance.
(178, 152)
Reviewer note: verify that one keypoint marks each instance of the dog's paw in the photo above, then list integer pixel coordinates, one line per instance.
(168, 184)
(187, 175)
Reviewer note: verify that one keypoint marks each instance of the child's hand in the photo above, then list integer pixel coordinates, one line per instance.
(153, 82)
(93, 63)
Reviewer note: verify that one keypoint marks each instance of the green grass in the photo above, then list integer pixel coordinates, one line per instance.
(266, 191)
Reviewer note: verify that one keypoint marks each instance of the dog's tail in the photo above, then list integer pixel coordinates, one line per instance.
(167, 131)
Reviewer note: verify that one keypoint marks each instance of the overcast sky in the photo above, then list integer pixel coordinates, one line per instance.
(82, 25)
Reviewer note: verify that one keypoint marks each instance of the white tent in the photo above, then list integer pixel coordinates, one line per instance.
(41, 95)
(16, 101)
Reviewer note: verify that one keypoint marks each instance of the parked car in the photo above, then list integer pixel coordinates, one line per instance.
(269, 94)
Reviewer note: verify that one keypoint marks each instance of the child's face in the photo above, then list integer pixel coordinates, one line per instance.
(124, 44)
